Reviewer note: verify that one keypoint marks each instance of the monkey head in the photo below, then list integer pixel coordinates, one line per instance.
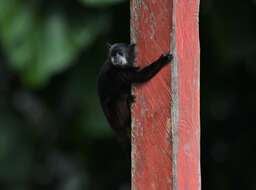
(121, 55)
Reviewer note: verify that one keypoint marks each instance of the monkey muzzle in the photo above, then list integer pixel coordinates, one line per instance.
(118, 60)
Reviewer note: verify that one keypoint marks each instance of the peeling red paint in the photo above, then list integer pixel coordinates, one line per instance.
(166, 133)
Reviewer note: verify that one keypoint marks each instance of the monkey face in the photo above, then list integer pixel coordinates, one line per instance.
(122, 55)
(118, 58)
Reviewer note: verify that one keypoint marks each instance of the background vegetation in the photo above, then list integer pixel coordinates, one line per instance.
(52, 132)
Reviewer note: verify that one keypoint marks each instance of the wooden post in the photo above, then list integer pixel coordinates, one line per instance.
(165, 117)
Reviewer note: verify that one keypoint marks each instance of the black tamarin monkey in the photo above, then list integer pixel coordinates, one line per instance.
(114, 85)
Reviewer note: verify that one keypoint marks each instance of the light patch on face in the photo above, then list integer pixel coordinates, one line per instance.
(113, 60)
(119, 60)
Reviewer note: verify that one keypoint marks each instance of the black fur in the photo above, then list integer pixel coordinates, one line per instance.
(114, 87)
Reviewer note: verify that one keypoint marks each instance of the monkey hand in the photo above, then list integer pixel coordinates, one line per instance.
(166, 58)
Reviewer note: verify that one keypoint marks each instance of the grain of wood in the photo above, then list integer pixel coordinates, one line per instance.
(165, 122)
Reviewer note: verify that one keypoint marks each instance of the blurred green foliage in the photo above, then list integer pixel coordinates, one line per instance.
(53, 134)
(100, 3)
(41, 42)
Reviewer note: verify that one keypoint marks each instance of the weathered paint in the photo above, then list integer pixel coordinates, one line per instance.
(151, 29)
(187, 55)
(166, 133)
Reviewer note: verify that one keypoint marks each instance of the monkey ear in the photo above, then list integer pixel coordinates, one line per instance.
(132, 45)
(108, 45)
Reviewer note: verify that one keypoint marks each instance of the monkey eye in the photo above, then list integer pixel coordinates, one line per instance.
(120, 53)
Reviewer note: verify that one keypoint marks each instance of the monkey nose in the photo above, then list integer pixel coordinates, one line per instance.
(120, 54)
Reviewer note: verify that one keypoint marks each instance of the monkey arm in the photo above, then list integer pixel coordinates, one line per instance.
(145, 74)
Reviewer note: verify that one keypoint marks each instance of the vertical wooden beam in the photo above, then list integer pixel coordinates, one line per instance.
(166, 120)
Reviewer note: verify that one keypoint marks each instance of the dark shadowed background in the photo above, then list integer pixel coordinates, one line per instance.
(53, 134)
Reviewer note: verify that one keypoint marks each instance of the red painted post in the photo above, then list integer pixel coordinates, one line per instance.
(165, 117)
